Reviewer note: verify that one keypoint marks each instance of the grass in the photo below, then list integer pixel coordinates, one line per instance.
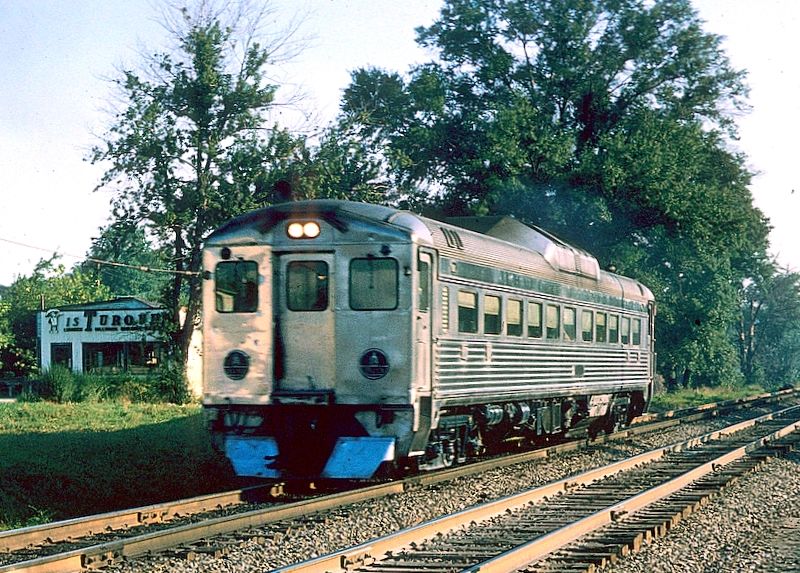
(65, 460)
(689, 397)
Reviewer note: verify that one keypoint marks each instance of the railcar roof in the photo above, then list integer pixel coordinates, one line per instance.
(488, 240)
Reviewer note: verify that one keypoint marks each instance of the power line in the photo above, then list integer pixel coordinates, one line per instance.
(142, 268)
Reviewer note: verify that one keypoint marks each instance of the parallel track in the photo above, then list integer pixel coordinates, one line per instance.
(517, 532)
(96, 554)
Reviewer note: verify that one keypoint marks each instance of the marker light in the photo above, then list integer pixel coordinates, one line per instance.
(308, 230)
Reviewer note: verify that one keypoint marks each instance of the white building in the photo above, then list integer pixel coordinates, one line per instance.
(120, 335)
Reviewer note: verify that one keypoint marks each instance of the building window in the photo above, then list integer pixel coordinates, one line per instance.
(112, 357)
(373, 284)
(61, 355)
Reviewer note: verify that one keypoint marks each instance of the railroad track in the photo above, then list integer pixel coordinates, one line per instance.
(108, 538)
(579, 522)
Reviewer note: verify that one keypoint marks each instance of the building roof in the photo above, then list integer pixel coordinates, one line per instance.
(119, 303)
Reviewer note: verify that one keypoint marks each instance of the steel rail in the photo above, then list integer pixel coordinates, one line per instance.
(370, 552)
(123, 519)
(107, 553)
(157, 513)
(539, 548)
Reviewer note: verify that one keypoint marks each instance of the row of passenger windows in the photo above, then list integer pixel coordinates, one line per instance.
(535, 319)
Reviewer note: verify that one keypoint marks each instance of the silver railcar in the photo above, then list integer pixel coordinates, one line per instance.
(343, 338)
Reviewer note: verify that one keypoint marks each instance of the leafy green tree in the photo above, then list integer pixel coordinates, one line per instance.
(49, 285)
(192, 141)
(768, 331)
(604, 121)
(125, 260)
(340, 166)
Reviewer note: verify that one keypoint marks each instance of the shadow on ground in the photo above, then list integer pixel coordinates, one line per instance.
(48, 476)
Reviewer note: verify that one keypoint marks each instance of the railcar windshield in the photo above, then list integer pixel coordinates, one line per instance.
(373, 284)
(236, 286)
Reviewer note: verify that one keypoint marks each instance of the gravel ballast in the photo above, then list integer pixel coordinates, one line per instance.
(361, 522)
(754, 526)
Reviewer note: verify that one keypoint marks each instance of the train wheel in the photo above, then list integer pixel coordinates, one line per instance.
(449, 455)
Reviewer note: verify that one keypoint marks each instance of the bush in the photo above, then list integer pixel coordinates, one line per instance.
(60, 385)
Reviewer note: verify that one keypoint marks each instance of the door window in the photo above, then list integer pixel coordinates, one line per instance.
(307, 285)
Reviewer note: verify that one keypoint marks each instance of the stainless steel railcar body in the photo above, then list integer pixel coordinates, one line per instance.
(339, 336)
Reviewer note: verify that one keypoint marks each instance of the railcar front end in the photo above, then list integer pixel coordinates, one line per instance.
(310, 328)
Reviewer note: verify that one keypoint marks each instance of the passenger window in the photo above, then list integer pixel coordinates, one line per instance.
(613, 329)
(514, 318)
(236, 286)
(587, 325)
(626, 330)
(373, 284)
(569, 323)
(535, 319)
(637, 332)
(491, 315)
(553, 322)
(600, 327)
(467, 312)
(307, 285)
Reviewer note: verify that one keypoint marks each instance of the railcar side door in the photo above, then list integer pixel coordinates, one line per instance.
(423, 321)
(304, 344)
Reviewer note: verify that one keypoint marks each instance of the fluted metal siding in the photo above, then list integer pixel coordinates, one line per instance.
(533, 368)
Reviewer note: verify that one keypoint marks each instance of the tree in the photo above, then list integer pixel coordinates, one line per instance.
(125, 261)
(50, 285)
(604, 121)
(768, 330)
(192, 142)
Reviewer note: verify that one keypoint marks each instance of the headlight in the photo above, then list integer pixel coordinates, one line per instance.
(303, 230)
(236, 365)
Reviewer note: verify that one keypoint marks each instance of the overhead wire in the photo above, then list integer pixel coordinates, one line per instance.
(97, 261)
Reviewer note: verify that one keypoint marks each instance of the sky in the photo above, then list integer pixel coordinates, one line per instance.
(56, 57)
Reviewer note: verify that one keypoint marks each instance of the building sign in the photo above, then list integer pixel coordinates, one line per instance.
(105, 321)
